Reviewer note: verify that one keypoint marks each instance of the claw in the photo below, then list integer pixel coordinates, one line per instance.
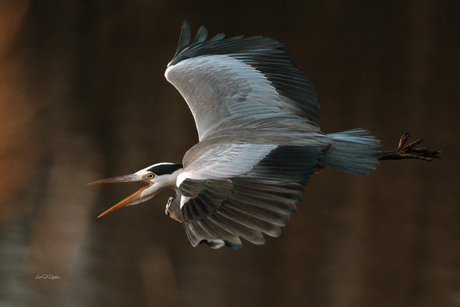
(411, 145)
(403, 140)
(409, 152)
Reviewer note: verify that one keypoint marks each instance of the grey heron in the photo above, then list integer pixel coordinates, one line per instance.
(257, 118)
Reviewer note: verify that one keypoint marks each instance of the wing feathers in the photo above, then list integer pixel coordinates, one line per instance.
(193, 208)
(264, 192)
(193, 233)
(263, 214)
(249, 230)
(185, 38)
(230, 239)
(270, 202)
(248, 209)
(218, 37)
(201, 36)
(254, 224)
(259, 201)
(283, 86)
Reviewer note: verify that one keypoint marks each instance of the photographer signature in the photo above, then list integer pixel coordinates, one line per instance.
(47, 276)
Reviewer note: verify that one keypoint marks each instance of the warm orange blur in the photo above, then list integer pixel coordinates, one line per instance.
(16, 113)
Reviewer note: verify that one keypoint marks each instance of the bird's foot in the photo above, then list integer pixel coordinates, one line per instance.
(173, 208)
(410, 152)
(168, 208)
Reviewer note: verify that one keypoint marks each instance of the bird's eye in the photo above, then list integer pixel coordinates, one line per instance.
(150, 175)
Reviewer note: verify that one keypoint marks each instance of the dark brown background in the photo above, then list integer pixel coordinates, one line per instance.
(83, 97)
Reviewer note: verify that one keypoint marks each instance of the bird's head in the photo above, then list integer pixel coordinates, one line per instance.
(157, 177)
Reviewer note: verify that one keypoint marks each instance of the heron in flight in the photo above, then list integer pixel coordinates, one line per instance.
(257, 118)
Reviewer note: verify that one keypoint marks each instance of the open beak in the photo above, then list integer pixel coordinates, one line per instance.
(130, 200)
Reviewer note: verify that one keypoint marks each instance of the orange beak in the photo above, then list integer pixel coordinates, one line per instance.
(133, 199)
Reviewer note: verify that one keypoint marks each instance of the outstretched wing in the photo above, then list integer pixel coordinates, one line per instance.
(250, 191)
(239, 78)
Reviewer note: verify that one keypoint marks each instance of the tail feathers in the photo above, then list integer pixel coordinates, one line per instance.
(353, 152)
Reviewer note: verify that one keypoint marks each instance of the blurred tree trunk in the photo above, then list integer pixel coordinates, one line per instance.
(16, 114)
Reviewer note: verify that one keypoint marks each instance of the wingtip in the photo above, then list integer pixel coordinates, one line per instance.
(201, 36)
(185, 37)
(185, 25)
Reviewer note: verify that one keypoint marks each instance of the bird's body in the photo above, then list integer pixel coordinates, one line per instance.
(259, 142)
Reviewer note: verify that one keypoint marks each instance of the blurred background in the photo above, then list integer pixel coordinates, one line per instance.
(83, 97)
